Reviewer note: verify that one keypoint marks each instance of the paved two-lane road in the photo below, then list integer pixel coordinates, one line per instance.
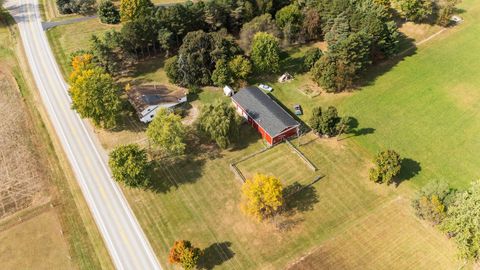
(121, 232)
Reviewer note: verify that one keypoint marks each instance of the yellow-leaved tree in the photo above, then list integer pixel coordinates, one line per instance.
(262, 196)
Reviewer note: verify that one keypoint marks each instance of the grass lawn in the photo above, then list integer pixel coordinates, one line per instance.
(427, 106)
(198, 199)
(297, 170)
(36, 243)
(389, 233)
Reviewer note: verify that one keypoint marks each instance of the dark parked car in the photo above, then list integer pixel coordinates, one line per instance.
(298, 109)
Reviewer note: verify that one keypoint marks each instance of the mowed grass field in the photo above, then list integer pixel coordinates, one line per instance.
(199, 198)
(427, 107)
(43, 245)
(391, 237)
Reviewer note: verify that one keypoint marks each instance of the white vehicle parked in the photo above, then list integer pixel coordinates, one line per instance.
(265, 87)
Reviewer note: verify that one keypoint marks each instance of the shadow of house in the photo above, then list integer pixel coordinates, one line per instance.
(248, 135)
(215, 255)
(409, 169)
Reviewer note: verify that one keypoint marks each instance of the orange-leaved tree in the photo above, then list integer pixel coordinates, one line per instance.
(185, 254)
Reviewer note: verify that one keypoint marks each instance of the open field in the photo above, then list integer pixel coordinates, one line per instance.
(427, 108)
(36, 243)
(60, 195)
(423, 105)
(382, 240)
(198, 199)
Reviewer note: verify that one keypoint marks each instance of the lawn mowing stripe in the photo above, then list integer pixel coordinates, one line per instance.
(172, 178)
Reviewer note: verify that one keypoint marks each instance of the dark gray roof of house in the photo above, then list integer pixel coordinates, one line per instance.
(264, 110)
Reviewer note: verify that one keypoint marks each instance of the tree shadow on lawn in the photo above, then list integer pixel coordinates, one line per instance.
(145, 67)
(248, 135)
(353, 131)
(300, 198)
(171, 172)
(215, 255)
(407, 48)
(409, 169)
(290, 64)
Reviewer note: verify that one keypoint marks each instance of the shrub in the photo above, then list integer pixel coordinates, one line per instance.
(432, 200)
(171, 69)
(108, 13)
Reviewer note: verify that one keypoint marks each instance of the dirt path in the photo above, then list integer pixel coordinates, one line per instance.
(192, 115)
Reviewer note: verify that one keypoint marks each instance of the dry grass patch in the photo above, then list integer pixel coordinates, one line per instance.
(419, 31)
(465, 95)
(36, 243)
(391, 237)
(21, 177)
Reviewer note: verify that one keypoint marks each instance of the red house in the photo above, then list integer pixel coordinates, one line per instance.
(265, 115)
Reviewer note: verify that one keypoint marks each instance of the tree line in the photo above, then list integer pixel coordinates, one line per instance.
(205, 37)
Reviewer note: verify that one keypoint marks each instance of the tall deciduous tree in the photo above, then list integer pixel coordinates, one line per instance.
(333, 73)
(387, 166)
(289, 19)
(263, 23)
(265, 53)
(219, 122)
(312, 25)
(129, 165)
(326, 122)
(167, 132)
(415, 10)
(240, 68)
(262, 196)
(462, 222)
(221, 75)
(94, 94)
(130, 9)
(185, 254)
